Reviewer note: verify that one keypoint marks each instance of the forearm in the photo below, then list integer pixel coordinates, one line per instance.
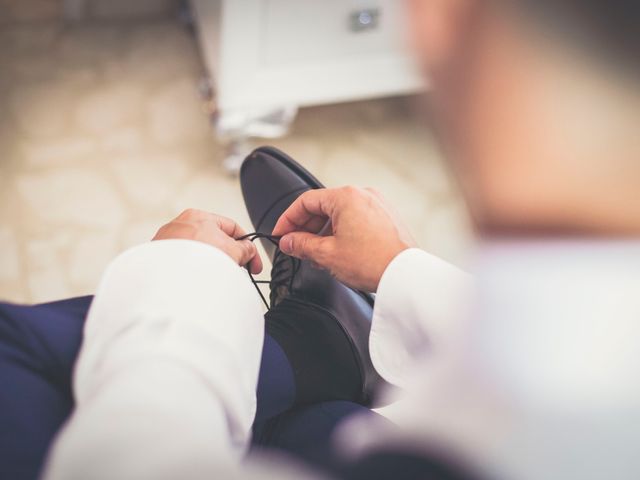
(166, 377)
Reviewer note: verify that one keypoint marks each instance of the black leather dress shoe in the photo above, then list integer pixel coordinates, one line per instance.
(271, 181)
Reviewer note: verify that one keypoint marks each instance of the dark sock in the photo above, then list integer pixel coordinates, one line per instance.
(320, 353)
(276, 392)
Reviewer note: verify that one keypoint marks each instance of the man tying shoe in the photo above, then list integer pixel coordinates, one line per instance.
(530, 377)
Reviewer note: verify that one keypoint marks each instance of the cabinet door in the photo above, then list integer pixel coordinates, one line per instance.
(273, 53)
(299, 32)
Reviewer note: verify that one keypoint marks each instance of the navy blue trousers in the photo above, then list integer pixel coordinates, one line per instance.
(38, 348)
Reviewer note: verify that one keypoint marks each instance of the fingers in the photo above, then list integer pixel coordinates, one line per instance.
(215, 230)
(309, 212)
(193, 215)
(234, 230)
(176, 229)
(315, 225)
(198, 217)
(255, 265)
(229, 227)
(244, 252)
(307, 245)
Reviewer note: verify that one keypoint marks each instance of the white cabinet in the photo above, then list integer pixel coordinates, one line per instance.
(266, 58)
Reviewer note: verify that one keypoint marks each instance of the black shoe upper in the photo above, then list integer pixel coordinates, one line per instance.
(271, 181)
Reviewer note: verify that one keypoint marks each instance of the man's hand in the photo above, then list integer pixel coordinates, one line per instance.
(349, 231)
(221, 232)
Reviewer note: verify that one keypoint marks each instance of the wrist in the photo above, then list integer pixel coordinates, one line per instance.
(388, 259)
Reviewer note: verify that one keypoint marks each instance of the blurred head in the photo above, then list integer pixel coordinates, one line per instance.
(539, 108)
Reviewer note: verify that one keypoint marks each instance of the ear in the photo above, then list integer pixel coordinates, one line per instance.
(437, 27)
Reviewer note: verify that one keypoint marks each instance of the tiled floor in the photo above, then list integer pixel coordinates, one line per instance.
(103, 139)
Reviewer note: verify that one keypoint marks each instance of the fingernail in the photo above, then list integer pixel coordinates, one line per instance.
(286, 244)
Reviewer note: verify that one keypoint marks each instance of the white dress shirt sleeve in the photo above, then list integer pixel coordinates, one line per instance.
(418, 309)
(166, 376)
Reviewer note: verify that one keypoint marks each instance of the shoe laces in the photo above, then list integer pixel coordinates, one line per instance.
(281, 276)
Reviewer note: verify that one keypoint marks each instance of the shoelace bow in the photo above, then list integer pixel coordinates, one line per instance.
(283, 277)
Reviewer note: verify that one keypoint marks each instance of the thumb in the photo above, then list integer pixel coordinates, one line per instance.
(306, 246)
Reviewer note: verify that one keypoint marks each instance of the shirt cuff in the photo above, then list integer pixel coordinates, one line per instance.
(416, 306)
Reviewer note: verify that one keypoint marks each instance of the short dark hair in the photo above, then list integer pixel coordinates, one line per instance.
(610, 28)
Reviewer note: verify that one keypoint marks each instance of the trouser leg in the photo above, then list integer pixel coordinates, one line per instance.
(276, 391)
(307, 433)
(38, 346)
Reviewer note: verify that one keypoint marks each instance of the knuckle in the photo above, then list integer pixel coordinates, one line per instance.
(161, 231)
(249, 248)
(190, 214)
(237, 257)
(302, 199)
(300, 246)
(331, 246)
(306, 194)
(220, 220)
(374, 191)
(234, 251)
(351, 191)
(244, 251)
(323, 249)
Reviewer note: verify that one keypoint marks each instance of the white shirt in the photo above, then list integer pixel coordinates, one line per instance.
(533, 371)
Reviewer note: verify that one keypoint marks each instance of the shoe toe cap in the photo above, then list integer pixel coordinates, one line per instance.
(269, 186)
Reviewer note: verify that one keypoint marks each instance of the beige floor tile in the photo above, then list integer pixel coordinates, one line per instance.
(91, 45)
(47, 278)
(76, 195)
(151, 181)
(58, 151)
(10, 268)
(36, 67)
(14, 292)
(112, 106)
(87, 258)
(48, 285)
(41, 110)
(175, 114)
(122, 140)
(447, 233)
(218, 193)
(141, 231)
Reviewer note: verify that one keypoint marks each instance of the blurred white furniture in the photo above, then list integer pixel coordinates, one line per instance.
(266, 58)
